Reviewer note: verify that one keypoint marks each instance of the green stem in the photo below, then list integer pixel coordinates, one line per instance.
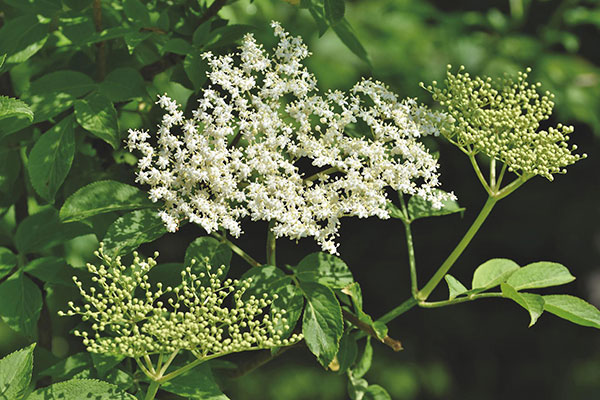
(396, 312)
(436, 304)
(162, 371)
(514, 185)
(271, 245)
(237, 250)
(152, 389)
(411, 251)
(445, 267)
(500, 177)
(479, 174)
(319, 174)
(183, 369)
(493, 173)
(411, 260)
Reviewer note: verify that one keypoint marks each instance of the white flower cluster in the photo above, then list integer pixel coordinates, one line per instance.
(261, 120)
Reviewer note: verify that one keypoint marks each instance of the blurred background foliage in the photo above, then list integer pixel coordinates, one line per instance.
(481, 350)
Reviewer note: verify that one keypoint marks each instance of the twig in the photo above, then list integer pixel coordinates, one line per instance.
(353, 319)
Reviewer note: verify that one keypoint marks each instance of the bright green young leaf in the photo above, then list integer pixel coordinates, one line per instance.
(15, 373)
(131, 230)
(44, 230)
(539, 275)
(533, 303)
(10, 107)
(573, 309)
(97, 114)
(21, 37)
(455, 288)
(208, 251)
(357, 387)
(493, 272)
(420, 208)
(8, 260)
(334, 10)
(376, 392)
(347, 36)
(324, 268)
(364, 363)
(55, 92)
(103, 197)
(123, 84)
(322, 324)
(81, 389)
(197, 383)
(22, 311)
(51, 158)
(347, 353)
(195, 69)
(136, 11)
(54, 270)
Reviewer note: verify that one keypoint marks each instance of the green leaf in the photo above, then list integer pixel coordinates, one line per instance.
(291, 300)
(55, 92)
(123, 84)
(208, 251)
(15, 373)
(81, 389)
(265, 279)
(533, 303)
(131, 230)
(420, 208)
(8, 260)
(195, 69)
(133, 39)
(364, 363)
(21, 37)
(347, 36)
(201, 34)
(334, 10)
(455, 288)
(69, 367)
(197, 383)
(22, 304)
(54, 270)
(493, 272)
(51, 158)
(347, 353)
(10, 171)
(10, 107)
(97, 114)
(539, 275)
(103, 363)
(395, 212)
(324, 268)
(102, 197)
(318, 13)
(376, 392)
(136, 11)
(573, 309)
(44, 230)
(177, 46)
(322, 324)
(226, 35)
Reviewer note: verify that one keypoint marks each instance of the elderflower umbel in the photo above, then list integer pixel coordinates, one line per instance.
(500, 118)
(238, 156)
(132, 318)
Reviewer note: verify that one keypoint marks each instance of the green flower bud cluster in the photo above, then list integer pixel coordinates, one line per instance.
(130, 317)
(500, 118)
